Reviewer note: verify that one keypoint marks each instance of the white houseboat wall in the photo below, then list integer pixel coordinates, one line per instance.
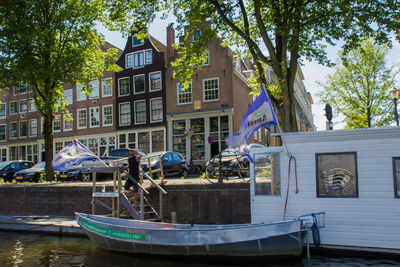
(351, 175)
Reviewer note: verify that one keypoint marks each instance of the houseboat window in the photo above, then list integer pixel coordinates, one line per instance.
(267, 174)
(337, 175)
(178, 136)
(396, 176)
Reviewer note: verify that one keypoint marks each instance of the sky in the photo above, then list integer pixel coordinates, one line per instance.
(313, 72)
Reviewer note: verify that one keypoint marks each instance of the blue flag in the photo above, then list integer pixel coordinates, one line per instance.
(72, 154)
(259, 114)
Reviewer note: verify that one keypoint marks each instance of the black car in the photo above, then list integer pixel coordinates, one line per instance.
(9, 168)
(173, 163)
(31, 174)
(84, 170)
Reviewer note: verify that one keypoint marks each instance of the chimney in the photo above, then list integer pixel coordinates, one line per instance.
(170, 40)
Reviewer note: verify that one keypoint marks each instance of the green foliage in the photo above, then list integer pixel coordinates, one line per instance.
(359, 87)
(274, 33)
(50, 43)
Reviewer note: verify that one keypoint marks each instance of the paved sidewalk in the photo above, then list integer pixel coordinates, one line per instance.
(41, 224)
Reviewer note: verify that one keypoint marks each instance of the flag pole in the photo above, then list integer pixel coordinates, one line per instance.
(76, 139)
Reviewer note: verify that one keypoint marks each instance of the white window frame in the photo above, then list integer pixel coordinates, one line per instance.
(136, 63)
(11, 136)
(95, 93)
(5, 132)
(79, 118)
(144, 84)
(65, 122)
(204, 90)
(70, 96)
(145, 112)
(119, 90)
(130, 55)
(106, 81)
(30, 132)
(119, 113)
(98, 117)
(151, 110)
(80, 95)
(104, 116)
(178, 85)
(17, 105)
(31, 103)
(145, 58)
(19, 129)
(150, 87)
(5, 110)
(58, 120)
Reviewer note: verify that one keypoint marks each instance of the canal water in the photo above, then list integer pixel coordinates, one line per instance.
(20, 249)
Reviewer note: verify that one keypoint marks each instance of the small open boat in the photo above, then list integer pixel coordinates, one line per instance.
(135, 236)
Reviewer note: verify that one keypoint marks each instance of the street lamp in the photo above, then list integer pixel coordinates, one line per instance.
(395, 95)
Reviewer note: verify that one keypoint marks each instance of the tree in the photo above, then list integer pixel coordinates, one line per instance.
(274, 33)
(46, 43)
(359, 87)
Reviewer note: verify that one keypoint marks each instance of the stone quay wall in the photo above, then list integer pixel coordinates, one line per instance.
(192, 203)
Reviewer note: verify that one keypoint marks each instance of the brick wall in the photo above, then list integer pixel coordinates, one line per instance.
(209, 203)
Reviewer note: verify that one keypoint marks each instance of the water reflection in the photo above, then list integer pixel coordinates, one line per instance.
(18, 249)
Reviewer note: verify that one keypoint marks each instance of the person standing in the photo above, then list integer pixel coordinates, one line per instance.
(133, 164)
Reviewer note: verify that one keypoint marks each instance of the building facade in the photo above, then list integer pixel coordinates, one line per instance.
(140, 95)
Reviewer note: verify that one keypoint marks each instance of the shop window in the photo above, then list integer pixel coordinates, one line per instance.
(144, 141)
(178, 137)
(337, 175)
(198, 141)
(157, 141)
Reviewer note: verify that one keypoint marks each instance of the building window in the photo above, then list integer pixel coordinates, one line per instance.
(124, 114)
(107, 87)
(23, 106)
(3, 156)
(68, 122)
(94, 145)
(82, 118)
(13, 130)
(211, 90)
(196, 35)
(148, 57)
(144, 141)
(396, 176)
(3, 110)
(22, 129)
(267, 174)
(156, 109)
(58, 146)
(68, 96)
(107, 115)
(198, 143)
(94, 117)
(184, 97)
(136, 41)
(155, 81)
(2, 132)
(57, 124)
(94, 89)
(157, 141)
(32, 128)
(140, 112)
(13, 107)
(123, 86)
(31, 105)
(138, 84)
(179, 137)
(13, 153)
(128, 61)
(337, 175)
(138, 60)
(219, 130)
(21, 89)
(80, 94)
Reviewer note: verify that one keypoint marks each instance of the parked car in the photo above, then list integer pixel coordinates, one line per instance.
(174, 164)
(123, 152)
(31, 174)
(84, 170)
(232, 163)
(9, 168)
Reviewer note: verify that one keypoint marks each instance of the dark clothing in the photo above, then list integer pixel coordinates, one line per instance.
(134, 172)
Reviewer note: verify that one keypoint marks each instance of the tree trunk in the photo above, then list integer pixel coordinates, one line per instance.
(48, 143)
